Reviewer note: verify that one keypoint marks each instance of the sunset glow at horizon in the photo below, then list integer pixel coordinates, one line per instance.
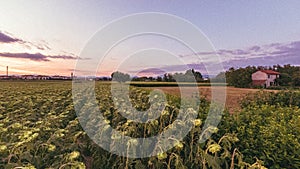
(47, 37)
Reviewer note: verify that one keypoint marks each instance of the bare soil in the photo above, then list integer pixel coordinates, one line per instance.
(233, 95)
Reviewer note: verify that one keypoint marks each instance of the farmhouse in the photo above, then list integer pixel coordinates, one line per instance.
(265, 78)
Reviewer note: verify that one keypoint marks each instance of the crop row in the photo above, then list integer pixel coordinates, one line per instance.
(39, 128)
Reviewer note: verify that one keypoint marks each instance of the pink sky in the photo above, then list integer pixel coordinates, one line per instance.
(46, 37)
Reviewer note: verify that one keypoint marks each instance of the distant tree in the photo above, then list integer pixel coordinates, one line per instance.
(296, 79)
(104, 79)
(135, 79)
(289, 75)
(171, 78)
(120, 77)
(198, 76)
(168, 77)
(221, 77)
(180, 77)
(165, 78)
(190, 72)
(159, 79)
(241, 77)
(151, 78)
(284, 79)
(189, 76)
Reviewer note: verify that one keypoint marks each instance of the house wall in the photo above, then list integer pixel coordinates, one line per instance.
(259, 82)
(260, 76)
(271, 80)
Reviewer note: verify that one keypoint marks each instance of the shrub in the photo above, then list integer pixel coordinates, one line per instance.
(268, 128)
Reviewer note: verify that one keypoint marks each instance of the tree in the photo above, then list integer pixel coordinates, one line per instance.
(189, 76)
(168, 77)
(296, 79)
(198, 76)
(284, 79)
(120, 77)
(221, 77)
(159, 79)
(241, 77)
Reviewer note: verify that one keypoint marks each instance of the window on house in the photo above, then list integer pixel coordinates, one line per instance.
(269, 76)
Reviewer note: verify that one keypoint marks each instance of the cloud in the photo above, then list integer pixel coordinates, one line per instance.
(43, 45)
(170, 69)
(180, 68)
(4, 38)
(263, 55)
(148, 71)
(38, 56)
(270, 54)
(40, 45)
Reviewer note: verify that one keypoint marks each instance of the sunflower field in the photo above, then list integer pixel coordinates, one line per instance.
(39, 128)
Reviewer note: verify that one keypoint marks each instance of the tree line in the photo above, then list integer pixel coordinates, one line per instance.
(189, 76)
(237, 77)
(242, 77)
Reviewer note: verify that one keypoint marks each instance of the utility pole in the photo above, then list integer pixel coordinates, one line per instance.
(6, 71)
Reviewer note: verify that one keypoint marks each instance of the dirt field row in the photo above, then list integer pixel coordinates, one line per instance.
(233, 95)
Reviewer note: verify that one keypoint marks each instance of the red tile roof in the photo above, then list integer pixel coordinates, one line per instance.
(270, 72)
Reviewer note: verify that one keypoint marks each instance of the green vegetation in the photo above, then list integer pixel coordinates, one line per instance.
(290, 75)
(268, 128)
(241, 77)
(120, 77)
(39, 129)
(189, 76)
